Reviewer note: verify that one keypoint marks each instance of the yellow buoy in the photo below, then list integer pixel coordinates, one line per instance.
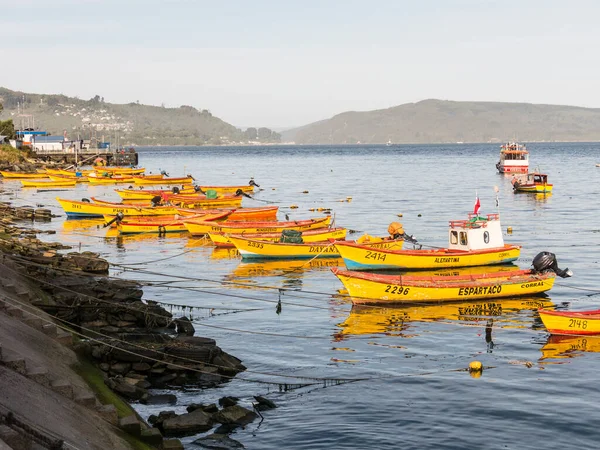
(305, 192)
(509, 230)
(311, 209)
(349, 198)
(399, 215)
(293, 206)
(475, 369)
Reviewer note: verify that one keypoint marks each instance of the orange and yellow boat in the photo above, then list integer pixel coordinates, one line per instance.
(118, 170)
(369, 288)
(81, 179)
(143, 194)
(23, 175)
(201, 228)
(222, 240)
(260, 249)
(581, 323)
(149, 181)
(48, 183)
(159, 225)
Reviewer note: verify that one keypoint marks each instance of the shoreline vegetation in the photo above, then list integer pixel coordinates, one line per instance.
(80, 346)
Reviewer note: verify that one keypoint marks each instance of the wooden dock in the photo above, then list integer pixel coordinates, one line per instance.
(87, 157)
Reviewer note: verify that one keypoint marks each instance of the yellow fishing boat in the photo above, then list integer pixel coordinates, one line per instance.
(110, 180)
(318, 235)
(23, 175)
(477, 241)
(75, 208)
(77, 179)
(260, 249)
(47, 183)
(364, 287)
(160, 226)
(571, 322)
(563, 346)
(198, 227)
(143, 194)
(371, 319)
(69, 173)
(116, 170)
(183, 180)
(204, 202)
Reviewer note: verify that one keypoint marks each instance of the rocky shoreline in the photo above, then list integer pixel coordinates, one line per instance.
(135, 346)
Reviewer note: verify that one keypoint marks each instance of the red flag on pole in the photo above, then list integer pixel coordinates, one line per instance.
(477, 205)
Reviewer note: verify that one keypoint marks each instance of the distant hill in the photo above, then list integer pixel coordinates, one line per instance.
(133, 123)
(441, 121)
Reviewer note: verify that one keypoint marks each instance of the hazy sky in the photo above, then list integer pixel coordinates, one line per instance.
(285, 63)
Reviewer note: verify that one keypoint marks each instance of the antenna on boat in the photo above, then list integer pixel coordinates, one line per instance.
(496, 190)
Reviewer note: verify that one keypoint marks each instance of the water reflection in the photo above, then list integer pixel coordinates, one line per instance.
(397, 321)
(560, 347)
(283, 267)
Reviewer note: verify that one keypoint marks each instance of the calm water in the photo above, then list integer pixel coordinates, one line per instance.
(414, 394)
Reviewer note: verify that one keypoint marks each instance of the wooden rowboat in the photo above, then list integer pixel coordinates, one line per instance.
(46, 183)
(259, 249)
(474, 242)
(571, 322)
(23, 175)
(183, 180)
(201, 228)
(367, 288)
(222, 240)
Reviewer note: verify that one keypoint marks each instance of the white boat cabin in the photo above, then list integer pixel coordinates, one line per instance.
(475, 233)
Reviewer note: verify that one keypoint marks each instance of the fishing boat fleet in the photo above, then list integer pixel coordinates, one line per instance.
(378, 270)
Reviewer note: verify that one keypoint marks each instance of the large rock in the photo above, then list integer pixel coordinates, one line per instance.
(120, 386)
(236, 414)
(187, 424)
(218, 442)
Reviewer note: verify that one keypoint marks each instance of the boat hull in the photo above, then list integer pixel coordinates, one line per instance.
(200, 228)
(147, 182)
(367, 288)
(361, 257)
(535, 188)
(44, 184)
(584, 323)
(84, 209)
(132, 194)
(258, 249)
(319, 235)
(23, 175)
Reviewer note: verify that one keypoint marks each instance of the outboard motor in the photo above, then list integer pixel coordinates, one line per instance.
(156, 200)
(253, 183)
(175, 190)
(86, 200)
(547, 261)
(117, 219)
(198, 189)
(163, 173)
(240, 192)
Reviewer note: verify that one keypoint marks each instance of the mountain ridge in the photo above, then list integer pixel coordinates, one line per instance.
(131, 123)
(446, 121)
